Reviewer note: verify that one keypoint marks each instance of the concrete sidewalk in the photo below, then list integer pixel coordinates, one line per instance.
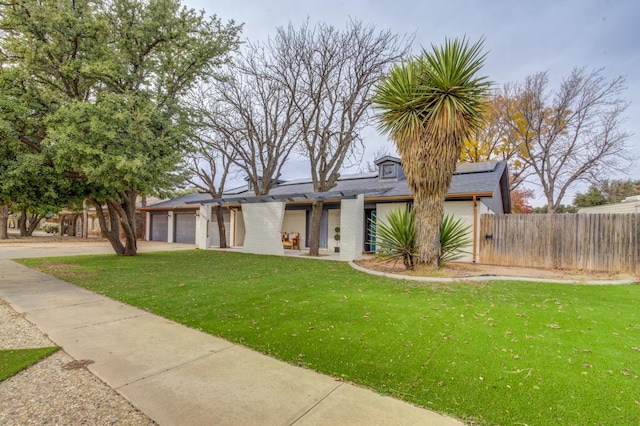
(177, 375)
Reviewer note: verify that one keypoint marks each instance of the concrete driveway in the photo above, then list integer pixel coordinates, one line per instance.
(16, 249)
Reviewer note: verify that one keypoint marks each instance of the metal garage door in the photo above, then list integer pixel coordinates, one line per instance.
(185, 228)
(159, 226)
(214, 234)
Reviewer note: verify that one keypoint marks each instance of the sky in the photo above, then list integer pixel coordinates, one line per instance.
(521, 38)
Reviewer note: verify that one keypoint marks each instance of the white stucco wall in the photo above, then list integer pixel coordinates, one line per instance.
(383, 209)
(237, 223)
(202, 226)
(333, 221)
(295, 221)
(171, 226)
(461, 209)
(263, 222)
(352, 228)
(147, 226)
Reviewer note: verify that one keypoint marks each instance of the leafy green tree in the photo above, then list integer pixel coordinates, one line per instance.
(617, 190)
(112, 75)
(562, 208)
(593, 197)
(430, 104)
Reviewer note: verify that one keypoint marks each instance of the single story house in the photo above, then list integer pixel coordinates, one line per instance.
(628, 205)
(351, 210)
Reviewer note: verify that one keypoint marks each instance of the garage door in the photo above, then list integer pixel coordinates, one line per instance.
(159, 226)
(185, 228)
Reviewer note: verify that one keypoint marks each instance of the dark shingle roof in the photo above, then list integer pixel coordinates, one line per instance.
(469, 179)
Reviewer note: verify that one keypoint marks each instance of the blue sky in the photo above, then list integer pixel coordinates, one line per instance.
(521, 38)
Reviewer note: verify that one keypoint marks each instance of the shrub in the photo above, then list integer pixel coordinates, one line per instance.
(395, 239)
(454, 235)
(50, 228)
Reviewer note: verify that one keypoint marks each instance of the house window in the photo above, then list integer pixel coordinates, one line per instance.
(388, 171)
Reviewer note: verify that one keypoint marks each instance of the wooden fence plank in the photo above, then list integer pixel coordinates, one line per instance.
(591, 242)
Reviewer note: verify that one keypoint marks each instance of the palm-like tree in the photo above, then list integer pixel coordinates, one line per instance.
(429, 105)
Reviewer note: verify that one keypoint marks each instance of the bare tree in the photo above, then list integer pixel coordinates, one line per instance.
(210, 166)
(371, 166)
(496, 139)
(255, 116)
(329, 73)
(570, 135)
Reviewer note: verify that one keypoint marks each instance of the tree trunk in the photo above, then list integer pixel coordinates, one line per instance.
(22, 223)
(123, 216)
(428, 215)
(314, 237)
(85, 220)
(221, 228)
(34, 220)
(73, 222)
(4, 222)
(110, 230)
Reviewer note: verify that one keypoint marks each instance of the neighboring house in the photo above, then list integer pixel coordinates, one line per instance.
(628, 205)
(355, 204)
(68, 219)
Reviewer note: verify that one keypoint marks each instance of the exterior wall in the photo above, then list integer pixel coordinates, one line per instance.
(237, 223)
(628, 207)
(214, 232)
(463, 210)
(171, 227)
(202, 227)
(383, 209)
(147, 228)
(263, 222)
(333, 222)
(352, 229)
(295, 221)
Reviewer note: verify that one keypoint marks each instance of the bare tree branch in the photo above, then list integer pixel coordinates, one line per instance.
(571, 135)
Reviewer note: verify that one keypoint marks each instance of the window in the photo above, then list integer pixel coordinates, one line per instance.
(388, 171)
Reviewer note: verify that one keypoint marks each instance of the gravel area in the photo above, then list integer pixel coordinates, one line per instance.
(57, 390)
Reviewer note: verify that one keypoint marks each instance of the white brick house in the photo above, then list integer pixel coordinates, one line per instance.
(353, 206)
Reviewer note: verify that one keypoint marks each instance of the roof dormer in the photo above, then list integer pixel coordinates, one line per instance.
(389, 168)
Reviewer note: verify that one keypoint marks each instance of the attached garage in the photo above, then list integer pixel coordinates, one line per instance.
(185, 229)
(159, 227)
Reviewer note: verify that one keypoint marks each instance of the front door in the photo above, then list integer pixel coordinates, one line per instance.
(370, 230)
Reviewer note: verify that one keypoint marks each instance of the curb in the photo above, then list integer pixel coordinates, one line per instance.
(484, 278)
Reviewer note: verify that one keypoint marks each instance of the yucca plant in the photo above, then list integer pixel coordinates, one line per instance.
(454, 236)
(395, 238)
(429, 105)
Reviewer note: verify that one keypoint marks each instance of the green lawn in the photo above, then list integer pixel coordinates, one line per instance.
(13, 361)
(493, 353)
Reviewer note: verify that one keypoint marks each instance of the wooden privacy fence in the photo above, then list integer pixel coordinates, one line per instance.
(592, 242)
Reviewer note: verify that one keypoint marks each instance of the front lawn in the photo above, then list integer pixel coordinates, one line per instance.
(492, 353)
(13, 361)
